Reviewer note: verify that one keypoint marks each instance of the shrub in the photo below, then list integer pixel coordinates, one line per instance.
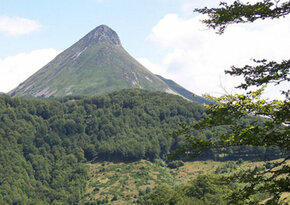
(159, 162)
(175, 164)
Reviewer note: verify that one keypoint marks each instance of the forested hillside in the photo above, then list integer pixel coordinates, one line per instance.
(44, 144)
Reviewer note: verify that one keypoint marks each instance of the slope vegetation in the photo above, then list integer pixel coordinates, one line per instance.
(45, 143)
(145, 182)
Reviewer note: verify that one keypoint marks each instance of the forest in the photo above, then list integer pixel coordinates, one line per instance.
(45, 144)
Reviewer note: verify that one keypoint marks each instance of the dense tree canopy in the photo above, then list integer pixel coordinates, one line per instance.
(204, 190)
(44, 144)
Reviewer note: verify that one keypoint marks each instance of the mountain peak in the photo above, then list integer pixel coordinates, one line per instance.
(96, 64)
(102, 34)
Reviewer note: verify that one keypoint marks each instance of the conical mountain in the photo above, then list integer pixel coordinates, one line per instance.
(96, 64)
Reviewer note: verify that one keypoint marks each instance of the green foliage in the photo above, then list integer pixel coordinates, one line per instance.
(227, 168)
(162, 195)
(132, 180)
(229, 110)
(239, 12)
(175, 164)
(265, 72)
(45, 143)
(160, 162)
(204, 190)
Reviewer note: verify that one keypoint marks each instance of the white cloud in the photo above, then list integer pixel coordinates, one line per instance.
(158, 69)
(18, 26)
(197, 57)
(16, 69)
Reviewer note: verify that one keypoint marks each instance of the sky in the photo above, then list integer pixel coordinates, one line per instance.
(166, 36)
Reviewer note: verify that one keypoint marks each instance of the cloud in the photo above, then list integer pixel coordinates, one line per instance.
(18, 26)
(196, 57)
(16, 69)
(158, 69)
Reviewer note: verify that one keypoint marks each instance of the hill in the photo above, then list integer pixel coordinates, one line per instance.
(44, 144)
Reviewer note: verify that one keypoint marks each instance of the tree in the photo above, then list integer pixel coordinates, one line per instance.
(204, 190)
(162, 194)
(230, 109)
(238, 12)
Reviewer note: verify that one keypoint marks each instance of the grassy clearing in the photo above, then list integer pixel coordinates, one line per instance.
(124, 183)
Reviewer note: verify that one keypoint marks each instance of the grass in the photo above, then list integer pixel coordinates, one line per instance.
(124, 183)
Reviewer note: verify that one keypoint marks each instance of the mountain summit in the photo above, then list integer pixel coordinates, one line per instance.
(99, 35)
(95, 64)
(104, 33)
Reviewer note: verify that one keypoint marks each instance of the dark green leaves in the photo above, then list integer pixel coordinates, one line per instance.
(264, 73)
(239, 12)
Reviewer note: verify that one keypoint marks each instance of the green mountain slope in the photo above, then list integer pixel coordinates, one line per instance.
(183, 92)
(95, 64)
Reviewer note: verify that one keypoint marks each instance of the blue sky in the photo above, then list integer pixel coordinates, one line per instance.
(65, 21)
(164, 35)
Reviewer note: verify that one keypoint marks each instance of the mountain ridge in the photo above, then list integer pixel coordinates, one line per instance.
(184, 92)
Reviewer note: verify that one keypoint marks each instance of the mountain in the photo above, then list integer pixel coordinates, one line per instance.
(183, 92)
(96, 64)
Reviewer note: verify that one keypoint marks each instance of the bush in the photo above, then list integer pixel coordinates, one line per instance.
(159, 162)
(141, 192)
(115, 198)
(175, 164)
(240, 161)
(148, 190)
